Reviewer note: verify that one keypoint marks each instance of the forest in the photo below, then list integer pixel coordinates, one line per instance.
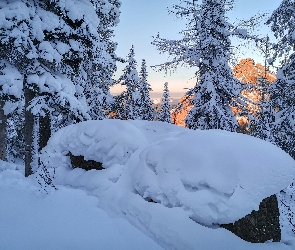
(57, 65)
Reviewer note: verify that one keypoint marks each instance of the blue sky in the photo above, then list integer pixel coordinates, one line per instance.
(142, 19)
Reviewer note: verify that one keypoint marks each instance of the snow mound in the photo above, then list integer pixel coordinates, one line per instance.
(217, 176)
(107, 141)
(213, 176)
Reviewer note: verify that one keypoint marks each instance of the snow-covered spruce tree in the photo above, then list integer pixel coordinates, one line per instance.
(282, 90)
(282, 93)
(11, 82)
(165, 115)
(147, 110)
(98, 51)
(262, 123)
(45, 41)
(101, 66)
(11, 85)
(206, 44)
(130, 99)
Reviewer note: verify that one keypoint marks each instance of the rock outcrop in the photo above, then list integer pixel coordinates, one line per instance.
(80, 162)
(259, 226)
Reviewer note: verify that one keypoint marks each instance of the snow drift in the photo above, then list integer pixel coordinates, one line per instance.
(211, 177)
(214, 176)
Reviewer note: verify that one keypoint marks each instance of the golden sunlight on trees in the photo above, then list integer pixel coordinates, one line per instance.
(179, 114)
(248, 72)
(245, 71)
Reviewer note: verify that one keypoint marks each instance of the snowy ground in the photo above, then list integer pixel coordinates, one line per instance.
(64, 219)
(197, 175)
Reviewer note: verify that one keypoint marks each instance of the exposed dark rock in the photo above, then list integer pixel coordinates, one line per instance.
(80, 162)
(261, 225)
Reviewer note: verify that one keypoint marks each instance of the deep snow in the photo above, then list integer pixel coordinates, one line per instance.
(64, 219)
(208, 176)
(215, 176)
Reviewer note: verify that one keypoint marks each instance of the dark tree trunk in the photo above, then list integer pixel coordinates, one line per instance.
(44, 130)
(15, 145)
(28, 131)
(3, 137)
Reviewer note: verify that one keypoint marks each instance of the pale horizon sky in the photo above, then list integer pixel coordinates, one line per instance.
(142, 19)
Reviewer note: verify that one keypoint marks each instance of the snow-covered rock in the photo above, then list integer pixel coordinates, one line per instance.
(68, 218)
(215, 176)
(106, 141)
(218, 176)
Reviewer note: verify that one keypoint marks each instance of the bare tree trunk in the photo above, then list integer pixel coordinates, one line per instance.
(44, 130)
(3, 135)
(28, 131)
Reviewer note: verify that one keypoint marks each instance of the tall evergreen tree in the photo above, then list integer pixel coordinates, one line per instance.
(34, 41)
(101, 66)
(262, 124)
(282, 91)
(206, 44)
(11, 84)
(147, 110)
(165, 115)
(49, 42)
(131, 97)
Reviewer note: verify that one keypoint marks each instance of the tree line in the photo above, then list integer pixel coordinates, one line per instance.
(206, 45)
(57, 63)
